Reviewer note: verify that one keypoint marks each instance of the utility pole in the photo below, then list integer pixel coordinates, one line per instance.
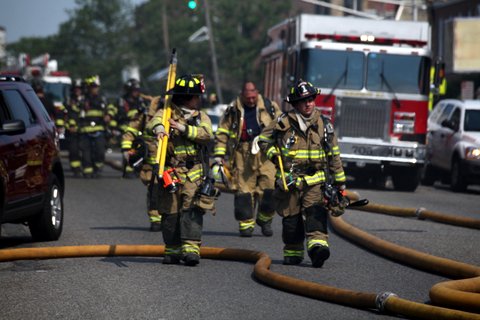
(211, 41)
(166, 40)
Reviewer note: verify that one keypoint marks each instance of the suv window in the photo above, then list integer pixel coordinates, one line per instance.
(38, 104)
(445, 113)
(455, 119)
(19, 109)
(472, 120)
(436, 112)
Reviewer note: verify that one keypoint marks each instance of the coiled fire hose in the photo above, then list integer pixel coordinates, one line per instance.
(458, 295)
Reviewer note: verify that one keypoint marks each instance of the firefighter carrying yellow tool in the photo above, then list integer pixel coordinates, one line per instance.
(183, 131)
(299, 140)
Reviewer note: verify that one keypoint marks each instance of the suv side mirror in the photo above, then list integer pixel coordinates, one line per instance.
(12, 127)
(449, 124)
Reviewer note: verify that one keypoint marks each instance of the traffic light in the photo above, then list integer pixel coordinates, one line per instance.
(192, 4)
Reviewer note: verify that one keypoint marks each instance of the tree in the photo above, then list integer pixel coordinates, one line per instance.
(240, 29)
(96, 40)
(101, 37)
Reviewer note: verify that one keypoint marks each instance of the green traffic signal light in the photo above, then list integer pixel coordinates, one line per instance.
(192, 4)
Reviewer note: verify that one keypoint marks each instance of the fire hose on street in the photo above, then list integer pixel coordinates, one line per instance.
(455, 299)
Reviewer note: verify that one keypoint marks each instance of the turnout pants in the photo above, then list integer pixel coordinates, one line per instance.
(254, 180)
(92, 146)
(182, 223)
(304, 216)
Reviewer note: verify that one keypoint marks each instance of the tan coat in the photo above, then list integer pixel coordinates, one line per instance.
(251, 172)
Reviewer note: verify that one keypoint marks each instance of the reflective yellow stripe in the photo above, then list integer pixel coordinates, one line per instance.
(195, 175)
(192, 132)
(265, 139)
(185, 150)
(263, 217)
(34, 162)
(132, 113)
(224, 131)
(88, 170)
(190, 248)
(244, 225)
(126, 144)
(75, 164)
(132, 130)
(303, 153)
(92, 129)
(173, 250)
(293, 253)
(316, 242)
(219, 151)
(271, 152)
(317, 178)
(94, 113)
(156, 219)
(340, 177)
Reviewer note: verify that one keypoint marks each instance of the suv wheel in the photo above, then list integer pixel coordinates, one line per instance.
(457, 179)
(47, 226)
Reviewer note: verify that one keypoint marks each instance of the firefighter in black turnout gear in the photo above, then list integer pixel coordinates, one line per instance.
(73, 104)
(94, 116)
(303, 146)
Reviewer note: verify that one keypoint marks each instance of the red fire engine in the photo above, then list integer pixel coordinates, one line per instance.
(374, 77)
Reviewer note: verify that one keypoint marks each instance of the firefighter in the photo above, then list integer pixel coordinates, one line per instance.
(95, 115)
(139, 148)
(302, 143)
(73, 104)
(55, 115)
(181, 207)
(253, 174)
(132, 109)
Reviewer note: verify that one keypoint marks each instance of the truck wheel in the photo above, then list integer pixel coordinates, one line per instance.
(406, 179)
(428, 175)
(458, 181)
(47, 226)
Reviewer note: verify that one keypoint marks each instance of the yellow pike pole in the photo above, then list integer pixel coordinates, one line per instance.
(282, 171)
(163, 142)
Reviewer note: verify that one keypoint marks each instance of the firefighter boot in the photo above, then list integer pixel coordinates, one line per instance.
(155, 226)
(243, 209)
(191, 259)
(171, 259)
(266, 227)
(265, 213)
(291, 261)
(293, 238)
(316, 228)
(319, 254)
(77, 172)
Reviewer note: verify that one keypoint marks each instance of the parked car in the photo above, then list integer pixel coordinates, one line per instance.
(31, 174)
(453, 144)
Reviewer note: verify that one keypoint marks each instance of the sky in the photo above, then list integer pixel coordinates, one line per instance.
(34, 18)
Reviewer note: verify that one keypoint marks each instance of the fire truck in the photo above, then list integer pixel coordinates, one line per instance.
(56, 83)
(374, 77)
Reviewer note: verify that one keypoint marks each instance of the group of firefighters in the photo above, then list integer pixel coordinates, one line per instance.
(273, 162)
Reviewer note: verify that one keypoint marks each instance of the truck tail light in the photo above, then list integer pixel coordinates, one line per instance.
(403, 122)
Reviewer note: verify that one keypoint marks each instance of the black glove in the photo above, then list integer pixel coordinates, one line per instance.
(336, 200)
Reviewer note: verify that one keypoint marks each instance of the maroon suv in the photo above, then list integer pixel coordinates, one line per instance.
(31, 174)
